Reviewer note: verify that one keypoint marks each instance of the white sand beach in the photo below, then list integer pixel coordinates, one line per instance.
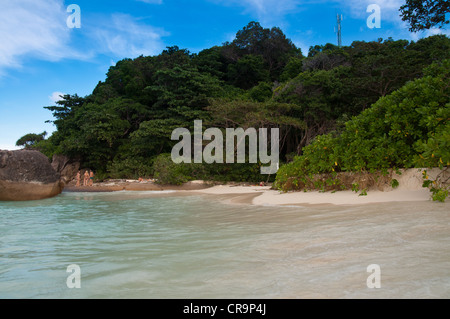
(409, 190)
(266, 196)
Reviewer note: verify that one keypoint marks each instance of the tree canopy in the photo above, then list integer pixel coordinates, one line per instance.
(425, 14)
(408, 128)
(30, 140)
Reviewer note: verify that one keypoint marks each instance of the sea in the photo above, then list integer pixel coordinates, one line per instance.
(160, 245)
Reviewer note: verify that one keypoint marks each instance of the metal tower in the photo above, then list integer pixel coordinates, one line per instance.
(339, 29)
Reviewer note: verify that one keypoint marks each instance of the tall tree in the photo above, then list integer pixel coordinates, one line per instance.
(247, 72)
(271, 44)
(30, 140)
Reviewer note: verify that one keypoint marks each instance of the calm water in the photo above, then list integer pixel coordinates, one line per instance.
(137, 245)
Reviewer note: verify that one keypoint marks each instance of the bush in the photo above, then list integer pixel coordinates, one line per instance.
(167, 172)
(408, 128)
(131, 168)
(237, 172)
(439, 187)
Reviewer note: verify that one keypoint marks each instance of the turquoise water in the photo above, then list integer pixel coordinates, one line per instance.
(140, 245)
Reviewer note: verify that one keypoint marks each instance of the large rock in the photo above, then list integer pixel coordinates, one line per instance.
(27, 175)
(66, 167)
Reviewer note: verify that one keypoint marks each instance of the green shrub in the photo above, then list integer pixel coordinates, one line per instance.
(439, 187)
(237, 172)
(131, 167)
(167, 172)
(394, 183)
(408, 128)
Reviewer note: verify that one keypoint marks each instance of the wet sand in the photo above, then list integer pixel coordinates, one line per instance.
(134, 185)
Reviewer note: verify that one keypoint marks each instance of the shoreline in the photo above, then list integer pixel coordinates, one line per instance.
(134, 185)
(264, 195)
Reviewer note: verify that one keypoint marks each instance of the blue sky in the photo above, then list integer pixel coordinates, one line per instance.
(40, 56)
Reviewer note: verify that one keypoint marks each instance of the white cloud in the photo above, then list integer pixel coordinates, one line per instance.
(124, 36)
(434, 31)
(56, 96)
(276, 9)
(389, 8)
(9, 147)
(266, 11)
(390, 12)
(428, 33)
(302, 45)
(34, 28)
(38, 29)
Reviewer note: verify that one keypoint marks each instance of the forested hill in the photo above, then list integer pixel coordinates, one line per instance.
(261, 79)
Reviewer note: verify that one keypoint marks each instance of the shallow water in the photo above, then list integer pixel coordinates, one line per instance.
(138, 245)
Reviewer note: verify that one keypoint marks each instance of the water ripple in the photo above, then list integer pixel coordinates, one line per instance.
(136, 245)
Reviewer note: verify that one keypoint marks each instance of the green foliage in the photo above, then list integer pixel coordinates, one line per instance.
(389, 134)
(261, 93)
(439, 187)
(262, 80)
(211, 61)
(425, 14)
(338, 83)
(355, 187)
(47, 147)
(292, 69)
(439, 194)
(434, 147)
(167, 172)
(225, 113)
(320, 99)
(269, 44)
(247, 72)
(131, 167)
(394, 183)
(435, 150)
(31, 140)
(317, 49)
(239, 172)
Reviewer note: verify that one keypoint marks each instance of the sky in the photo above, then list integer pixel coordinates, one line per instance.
(44, 52)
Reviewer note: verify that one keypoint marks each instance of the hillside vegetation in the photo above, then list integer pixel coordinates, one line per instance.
(262, 80)
(408, 128)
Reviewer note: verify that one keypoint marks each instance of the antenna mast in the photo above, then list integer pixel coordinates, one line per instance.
(339, 29)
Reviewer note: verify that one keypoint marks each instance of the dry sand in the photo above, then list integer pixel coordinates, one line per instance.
(265, 196)
(409, 190)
